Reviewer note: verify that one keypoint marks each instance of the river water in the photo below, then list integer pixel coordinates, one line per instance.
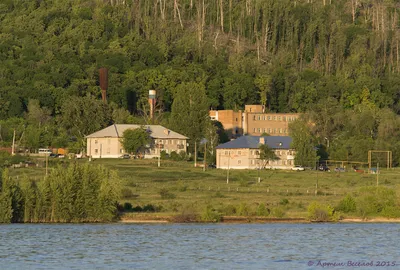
(200, 246)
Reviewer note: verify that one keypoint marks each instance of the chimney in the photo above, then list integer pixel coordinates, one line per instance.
(262, 140)
(103, 77)
(166, 131)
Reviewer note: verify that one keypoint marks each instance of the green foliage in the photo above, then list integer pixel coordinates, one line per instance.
(78, 193)
(321, 213)
(133, 140)
(304, 142)
(284, 201)
(278, 212)
(262, 210)
(243, 209)
(266, 155)
(347, 204)
(209, 214)
(372, 201)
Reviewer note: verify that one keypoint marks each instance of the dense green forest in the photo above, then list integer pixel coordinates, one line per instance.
(337, 60)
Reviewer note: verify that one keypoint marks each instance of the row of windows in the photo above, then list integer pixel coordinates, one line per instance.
(276, 162)
(274, 118)
(257, 152)
(170, 141)
(257, 162)
(270, 130)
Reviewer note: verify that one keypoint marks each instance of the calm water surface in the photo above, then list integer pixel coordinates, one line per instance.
(198, 246)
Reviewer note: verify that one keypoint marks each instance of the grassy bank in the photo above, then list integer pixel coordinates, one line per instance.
(179, 189)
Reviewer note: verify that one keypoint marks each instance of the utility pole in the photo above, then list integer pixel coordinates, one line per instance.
(195, 154)
(47, 163)
(377, 174)
(205, 157)
(13, 145)
(159, 154)
(227, 173)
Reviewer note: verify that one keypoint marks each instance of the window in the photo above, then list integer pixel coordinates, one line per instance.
(269, 117)
(236, 119)
(96, 151)
(95, 141)
(226, 153)
(259, 117)
(121, 151)
(170, 141)
(239, 162)
(254, 117)
(259, 130)
(264, 117)
(279, 118)
(280, 130)
(264, 130)
(254, 130)
(252, 162)
(269, 130)
(257, 153)
(284, 118)
(274, 118)
(274, 130)
(239, 152)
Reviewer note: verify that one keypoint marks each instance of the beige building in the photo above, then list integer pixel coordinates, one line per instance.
(254, 121)
(243, 153)
(106, 143)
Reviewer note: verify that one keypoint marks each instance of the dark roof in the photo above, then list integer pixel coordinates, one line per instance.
(253, 142)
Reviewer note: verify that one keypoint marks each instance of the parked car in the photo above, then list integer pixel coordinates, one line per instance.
(125, 156)
(212, 166)
(298, 168)
(324, 168)
(52, 155)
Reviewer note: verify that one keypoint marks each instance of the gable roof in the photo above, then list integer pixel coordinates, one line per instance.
(117, 131)
(253, 142)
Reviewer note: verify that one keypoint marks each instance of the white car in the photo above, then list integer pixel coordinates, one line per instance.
(298, 168)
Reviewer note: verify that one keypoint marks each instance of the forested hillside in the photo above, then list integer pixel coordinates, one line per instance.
(338, 59)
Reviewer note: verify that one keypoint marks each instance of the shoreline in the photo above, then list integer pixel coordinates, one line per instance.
(251, 219)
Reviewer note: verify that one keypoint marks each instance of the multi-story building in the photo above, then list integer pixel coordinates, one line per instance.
(254, 121)
(106, 143)
(244, 153)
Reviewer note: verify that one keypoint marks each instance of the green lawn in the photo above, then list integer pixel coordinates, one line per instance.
(186, 187)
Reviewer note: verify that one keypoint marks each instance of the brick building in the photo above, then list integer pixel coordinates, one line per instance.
(254, 121)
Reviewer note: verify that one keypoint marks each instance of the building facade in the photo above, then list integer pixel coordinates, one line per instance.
(254, 121)
(244, 153)
(106, 143)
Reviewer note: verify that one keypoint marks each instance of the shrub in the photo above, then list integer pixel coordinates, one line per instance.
(373, 200)
(262, 210)
(243, 210)
(391, 212)
(229, 210)
(348, 204)
(166, 194)
(278, 212)
(127, 206)
(164, 155)
(321, 213)
(210, 215)
(284, 201)
(150, 208)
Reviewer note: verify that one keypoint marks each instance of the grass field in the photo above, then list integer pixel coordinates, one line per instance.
(178, 186)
